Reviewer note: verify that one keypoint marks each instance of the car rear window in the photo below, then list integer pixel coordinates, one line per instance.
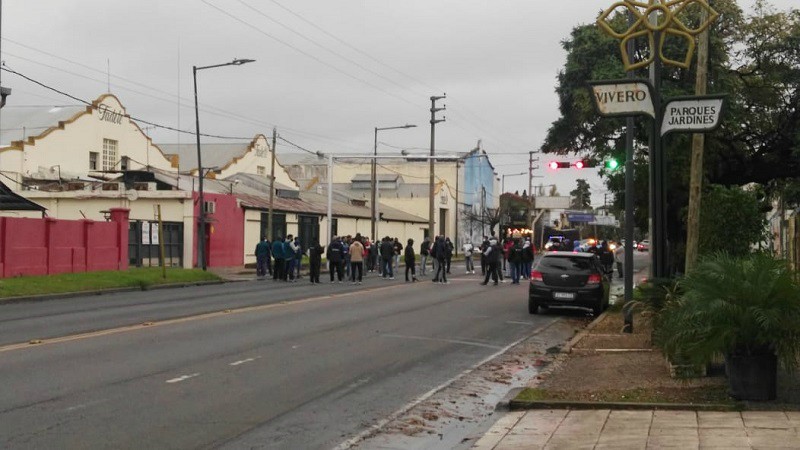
(566, 263)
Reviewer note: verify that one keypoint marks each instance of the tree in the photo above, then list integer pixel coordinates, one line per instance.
(730, 220)
(755, 61)
(581, 195)
(490, 217)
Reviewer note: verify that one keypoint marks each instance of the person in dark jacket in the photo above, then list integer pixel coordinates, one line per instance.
(277, 253)
(315, 260)
(410, 260)
(425, 252)
(440, 254)
(448, 254)
(484, 262)
(387, 254)
(527, 258)
(606, 258)
(335, 258)
(398, 251)
(262, 257)
(494, 258)
(288, 256)
(515, 259)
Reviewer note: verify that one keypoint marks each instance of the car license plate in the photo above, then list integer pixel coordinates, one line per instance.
(564, 295)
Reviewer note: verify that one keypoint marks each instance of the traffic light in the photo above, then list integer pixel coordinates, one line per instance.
(582, 164)
(579, 164)
(558, 165)
(611, 164)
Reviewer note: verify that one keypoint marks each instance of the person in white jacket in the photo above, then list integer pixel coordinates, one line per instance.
(468, 249)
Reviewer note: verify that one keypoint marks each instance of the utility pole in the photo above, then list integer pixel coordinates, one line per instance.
(272, 184)
(434, 121)
(532, 204)
(698, 142)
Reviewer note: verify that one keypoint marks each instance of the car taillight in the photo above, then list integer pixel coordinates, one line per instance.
(594, 278)
(536, 276)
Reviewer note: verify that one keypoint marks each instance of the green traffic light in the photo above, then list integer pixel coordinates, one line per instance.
(611, 164)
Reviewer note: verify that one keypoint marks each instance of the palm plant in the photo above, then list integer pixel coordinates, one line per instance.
(734, 306)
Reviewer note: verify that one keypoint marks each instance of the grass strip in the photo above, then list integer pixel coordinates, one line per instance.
(91, 281)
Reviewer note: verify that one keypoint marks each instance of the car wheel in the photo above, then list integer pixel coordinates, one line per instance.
(533, 307)
(597, 310)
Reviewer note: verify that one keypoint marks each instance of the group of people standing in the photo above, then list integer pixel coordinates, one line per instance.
(349, 258)
(280, 258)
(515, 253)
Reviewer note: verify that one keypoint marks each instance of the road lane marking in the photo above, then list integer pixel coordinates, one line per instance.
(140, 326)
(183, 378)
(449, 341)
(236, 363)
(84, 405)
(514, 322)
(374, 429)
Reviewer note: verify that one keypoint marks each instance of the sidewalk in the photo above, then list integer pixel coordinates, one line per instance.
(606, 429)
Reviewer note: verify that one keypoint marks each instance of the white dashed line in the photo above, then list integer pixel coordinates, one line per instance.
(244, 361)
(183, 378)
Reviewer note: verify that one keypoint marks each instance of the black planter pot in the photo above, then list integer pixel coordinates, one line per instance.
(752, 377)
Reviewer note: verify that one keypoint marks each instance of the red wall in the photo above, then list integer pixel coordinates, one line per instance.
(50, 246)
(225, 231)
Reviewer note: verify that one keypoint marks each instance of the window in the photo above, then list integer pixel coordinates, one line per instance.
(109, 154)
(93, 157)
(261, 170)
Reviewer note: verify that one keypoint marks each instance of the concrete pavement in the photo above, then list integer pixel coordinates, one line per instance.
(607, 429)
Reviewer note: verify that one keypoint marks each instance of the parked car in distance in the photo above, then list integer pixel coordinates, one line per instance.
(643, 246)
(568, 280)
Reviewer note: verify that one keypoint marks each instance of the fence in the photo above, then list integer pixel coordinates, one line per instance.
(49, 246)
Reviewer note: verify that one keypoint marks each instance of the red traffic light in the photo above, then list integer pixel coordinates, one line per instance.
(579, 164)
(558, 165)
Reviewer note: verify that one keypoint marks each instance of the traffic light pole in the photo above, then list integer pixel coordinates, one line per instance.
(658, 237)
(627, 267)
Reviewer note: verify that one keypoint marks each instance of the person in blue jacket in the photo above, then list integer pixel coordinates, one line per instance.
(288, 256)
(277, 253)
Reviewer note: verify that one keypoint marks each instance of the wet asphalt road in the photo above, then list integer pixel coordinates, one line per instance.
(250, 365)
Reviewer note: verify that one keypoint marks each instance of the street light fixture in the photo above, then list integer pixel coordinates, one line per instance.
(374, 177)
(503, 187)
(201, 228)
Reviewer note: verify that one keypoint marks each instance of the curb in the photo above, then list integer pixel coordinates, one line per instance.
(582, 334)
(516, 405)
(65, 295)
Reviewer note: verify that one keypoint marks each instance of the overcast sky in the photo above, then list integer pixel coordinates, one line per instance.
(326, 72)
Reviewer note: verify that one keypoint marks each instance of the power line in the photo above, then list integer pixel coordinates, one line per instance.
(87, 103)
(308, 55)
(172, 97)
(351, 61)
(463, 117)
(297, 146)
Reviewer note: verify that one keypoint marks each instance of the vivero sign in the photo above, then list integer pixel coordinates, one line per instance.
(623, 97)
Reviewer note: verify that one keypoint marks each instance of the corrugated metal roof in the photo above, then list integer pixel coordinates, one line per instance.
(9, 201)
(214, 155)
(253, 192)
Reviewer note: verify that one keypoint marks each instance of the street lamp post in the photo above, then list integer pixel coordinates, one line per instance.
(503, 185)
(374, 177)
(201, 228)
